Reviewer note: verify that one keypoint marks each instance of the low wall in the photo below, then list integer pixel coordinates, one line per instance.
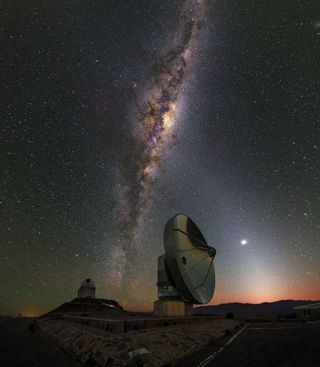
(126, 325)
(154, 347)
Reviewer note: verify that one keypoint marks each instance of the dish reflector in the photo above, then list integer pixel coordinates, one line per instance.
(189, 260)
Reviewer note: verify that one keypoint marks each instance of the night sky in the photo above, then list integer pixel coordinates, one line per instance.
(118, 114)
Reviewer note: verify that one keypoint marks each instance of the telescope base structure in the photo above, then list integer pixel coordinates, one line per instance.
(172, 307)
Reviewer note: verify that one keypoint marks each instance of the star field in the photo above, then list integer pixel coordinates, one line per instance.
(242, 158)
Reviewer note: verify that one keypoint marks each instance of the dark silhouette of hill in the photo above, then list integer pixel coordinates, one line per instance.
(92, 307)
(283, 308)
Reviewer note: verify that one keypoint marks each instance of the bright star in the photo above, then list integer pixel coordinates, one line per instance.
(244, 242)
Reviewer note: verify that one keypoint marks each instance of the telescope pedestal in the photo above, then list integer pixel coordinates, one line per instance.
(172, 308)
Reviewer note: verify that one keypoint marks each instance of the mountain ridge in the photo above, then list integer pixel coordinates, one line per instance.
(281, 308)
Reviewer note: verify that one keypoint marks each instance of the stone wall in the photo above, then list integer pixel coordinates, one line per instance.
(161, 346)
(126, 325)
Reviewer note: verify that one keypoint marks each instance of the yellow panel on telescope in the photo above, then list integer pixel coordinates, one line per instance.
(172, 308)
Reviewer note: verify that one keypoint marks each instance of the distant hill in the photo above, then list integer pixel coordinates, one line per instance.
(250, 310)
(92, 307)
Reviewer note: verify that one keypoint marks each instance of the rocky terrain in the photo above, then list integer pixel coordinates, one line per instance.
(162, 346)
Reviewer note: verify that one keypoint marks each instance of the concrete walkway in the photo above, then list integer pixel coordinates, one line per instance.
(263, 345)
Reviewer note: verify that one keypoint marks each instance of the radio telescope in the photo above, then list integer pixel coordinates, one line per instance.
(185, 271)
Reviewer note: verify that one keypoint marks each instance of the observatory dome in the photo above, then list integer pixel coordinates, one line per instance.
(87, 289)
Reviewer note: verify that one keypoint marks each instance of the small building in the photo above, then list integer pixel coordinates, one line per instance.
(87, 289)
(308, 312)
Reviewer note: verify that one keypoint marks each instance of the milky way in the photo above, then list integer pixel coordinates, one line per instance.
(124, 113)
(153, 131)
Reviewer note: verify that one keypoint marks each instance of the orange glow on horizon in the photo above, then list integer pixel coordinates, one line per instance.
(31, 313)
(217, 300)
(261, 298)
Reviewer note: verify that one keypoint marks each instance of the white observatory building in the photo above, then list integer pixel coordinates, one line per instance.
(87, 289)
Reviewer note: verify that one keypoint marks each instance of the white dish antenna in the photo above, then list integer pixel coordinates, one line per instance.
(186, 270)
